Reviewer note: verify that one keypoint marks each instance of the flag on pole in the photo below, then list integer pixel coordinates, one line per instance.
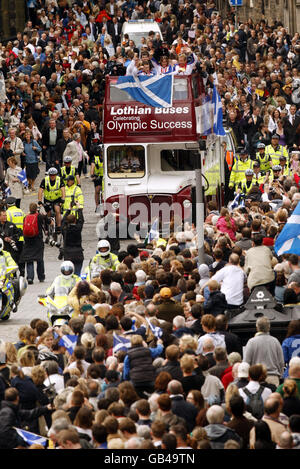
(288, 241)
(120, 343)
(155, 91)
(31, 438)
(69, 342)
(7, 191)
(23, 178)
(154, 232)
(210, 115)
(156, 331)
(238, 201)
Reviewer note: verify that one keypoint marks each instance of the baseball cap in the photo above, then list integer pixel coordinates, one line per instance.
(165, 292)
(243, 370)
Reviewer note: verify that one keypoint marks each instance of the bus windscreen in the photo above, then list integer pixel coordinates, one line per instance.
(125, 162)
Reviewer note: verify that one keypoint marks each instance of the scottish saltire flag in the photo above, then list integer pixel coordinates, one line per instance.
(23, 178)
(218, 128)
(69, 342)
(7, 192)
(238, 201)
(210, 115)
(31, 438)
(155, 91)
(156, 331)
(288, 241)
(153, 233)
(120, 343)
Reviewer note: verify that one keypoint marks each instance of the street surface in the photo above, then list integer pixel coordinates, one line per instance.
(29, 307)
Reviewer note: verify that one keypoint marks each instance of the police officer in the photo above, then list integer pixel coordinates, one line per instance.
(68, 170)
(97, 176)
(237, 175)
(10, 235)
(277, 173)
(65, 282)
(104, 259)
(7, 268)
(258, 177)
(53, 190)
(16, 216)
(285, 168)
(249, 182)
(274, 150)
(73, 196)
(264, 159)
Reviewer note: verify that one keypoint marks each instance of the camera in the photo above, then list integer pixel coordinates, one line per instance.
(52, 242)
(13, 245)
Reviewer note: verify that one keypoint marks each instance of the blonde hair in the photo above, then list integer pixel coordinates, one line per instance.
(87, 340)
(231, 390)
(289, 388)
(136, 340)
(187, 363)
(11, 353)
(188, 342)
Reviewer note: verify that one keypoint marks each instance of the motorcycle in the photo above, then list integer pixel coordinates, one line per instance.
(59, 312)
(12, 288)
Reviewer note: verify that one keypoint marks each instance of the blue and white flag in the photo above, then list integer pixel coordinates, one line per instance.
(7, 192)
(156, 331)
(69, 342)
(23, 178)
(288, 241)
(155, 91)
(31, 438)
(238, 201)
(120, 343)
(153, 233)
(210, 115)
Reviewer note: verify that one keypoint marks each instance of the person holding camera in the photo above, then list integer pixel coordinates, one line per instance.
(72, 249)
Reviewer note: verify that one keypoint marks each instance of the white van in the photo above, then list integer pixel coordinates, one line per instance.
(136, 29)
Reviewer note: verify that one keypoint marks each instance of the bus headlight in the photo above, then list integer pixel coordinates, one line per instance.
(115, 205)
(186, 203)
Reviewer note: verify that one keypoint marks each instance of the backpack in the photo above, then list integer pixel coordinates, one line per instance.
(255, 403)
(30, 225)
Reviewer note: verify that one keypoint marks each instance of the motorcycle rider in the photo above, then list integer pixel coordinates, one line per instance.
(63, 283)
(7, 268)
(264, 159)
(16, 216)
(104, 259)
(237, 175)
(10, 235)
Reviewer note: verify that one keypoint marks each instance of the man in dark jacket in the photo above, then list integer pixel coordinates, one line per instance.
(168, 309)
(11, 416)
(180, 407)
(10, 235)
(217, 432)
(232, 341)
(172, 364)
(138, 366)
(72, 248)
(216, 302)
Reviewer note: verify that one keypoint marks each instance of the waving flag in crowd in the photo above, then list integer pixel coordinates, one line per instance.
(69, 342)
(23, 178)
(120, 343)
(288, 241)
(31, 438)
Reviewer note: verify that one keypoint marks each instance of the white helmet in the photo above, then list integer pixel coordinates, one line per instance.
(52, 171)
(67, 269)
(1, 245)
(68, 159)
(103, 248)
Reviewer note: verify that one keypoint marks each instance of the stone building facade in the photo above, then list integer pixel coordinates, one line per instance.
(286, 11)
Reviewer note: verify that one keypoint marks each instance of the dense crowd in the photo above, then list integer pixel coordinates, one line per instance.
(154, 365)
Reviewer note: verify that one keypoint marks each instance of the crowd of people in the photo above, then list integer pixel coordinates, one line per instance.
(149, 361)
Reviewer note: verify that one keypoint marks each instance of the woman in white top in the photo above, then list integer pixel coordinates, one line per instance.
(12, 180)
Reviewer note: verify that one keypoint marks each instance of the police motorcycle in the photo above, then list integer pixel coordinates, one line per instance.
(59, 312)
(103, 260)
(12, 288)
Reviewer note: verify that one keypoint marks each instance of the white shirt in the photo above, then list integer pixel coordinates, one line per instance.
(231, 278)
(57, 380)
(252, 387)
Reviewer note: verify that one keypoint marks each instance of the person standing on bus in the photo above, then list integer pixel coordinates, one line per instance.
(163, 67)
(185, 64)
